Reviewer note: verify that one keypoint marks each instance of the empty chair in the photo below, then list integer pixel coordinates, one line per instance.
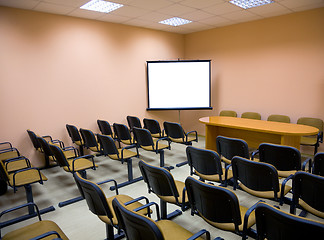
(133, 122)
(108, 148)
(90, 141)
(219, 207)
(154, 127)
(105, 128)
(138, 226)
(259, 179)
(101, 206)
(75, 136)
(312, 140)
(228, 147)
(123, 134)
(318, 164)
(286, 159)
(24, 178)
(308, 194)
(10, 156)
(37, 230)
(161, 182)
(145, 141)
(275, 224)
(207, 165)
(279, 118)
(228, 113)
(251, 115)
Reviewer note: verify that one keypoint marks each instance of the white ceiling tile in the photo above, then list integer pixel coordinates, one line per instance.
(216, 21)
(176, 9)
(270, 10)
(110, 17)
(154, 16)
(82, 13)
(130, 11)
(196, 15)
(149, 4)
(241, 16)
(201, 3)
(222, 8)
(53, 8)
(24, 4)
(72, 3)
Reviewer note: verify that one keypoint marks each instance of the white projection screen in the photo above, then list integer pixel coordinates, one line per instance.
(177, 85)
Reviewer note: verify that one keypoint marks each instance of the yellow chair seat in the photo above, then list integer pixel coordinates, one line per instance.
(34, 230)
(265, 194)
(231, 226)
(79, 164)
(122, 198)
(16, 165)
(308, 140)
(26, 177)
(160, 146)
(126, 154)
(310, 209)
(79, 143)
(171, 199)
(180, 140)
(8, 155)
(285, 174)
(215, 178)
(171, 230)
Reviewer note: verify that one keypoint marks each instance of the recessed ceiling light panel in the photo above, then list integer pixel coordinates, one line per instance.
(250, 3)
(175, 21)
(101, 6)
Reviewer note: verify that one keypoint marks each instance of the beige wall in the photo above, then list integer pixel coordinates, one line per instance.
(57, 70)
(271, 66)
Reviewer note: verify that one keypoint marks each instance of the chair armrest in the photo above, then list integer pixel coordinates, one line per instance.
(8, 143)
(24, 170)
(136, 200)
(11, 149)
(69, 148)
(148, 209)
(283, 185)
(47, 137)
(44, 235)
(85, 156)
(226, 173)
(254, 153)
(320, 137)
(161, 139)
(10, 160)
(21, 206)
(196, 135)
(110, 180)
(246, 218)
(309, 162)
(200, 233)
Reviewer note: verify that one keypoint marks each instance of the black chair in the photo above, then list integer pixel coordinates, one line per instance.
(145, 141)
(108, 148)
(90, 141)
(101, 206)
(24, 178)
(105, 128)
(220, 207)
(133, 122)
(207, 165)
(312, 140)
(138, 226)
(37, 230)
(286, 159)
(75, 136)
(123, 134)
(154, 127)
(161, 182)
(318, 164)
(308, 194)
(275, 224)
(259, 179)
(228, 148)
(78, 164)
(176, 133)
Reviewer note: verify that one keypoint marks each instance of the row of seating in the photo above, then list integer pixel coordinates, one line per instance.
(305, 140)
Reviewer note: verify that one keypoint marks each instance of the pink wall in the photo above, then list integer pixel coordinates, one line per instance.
(57, 70)
(271, 66)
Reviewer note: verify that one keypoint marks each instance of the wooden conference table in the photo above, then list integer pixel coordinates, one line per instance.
(254, 131)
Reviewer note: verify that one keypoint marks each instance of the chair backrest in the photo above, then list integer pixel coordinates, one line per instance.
(309, 188)
(257, 176)
(318, 166)
(122, 132)
(136, 226)
(143, 137)
(228, 113)
(314, 122)
(275, 224)
(204, 161)
(89, 138)
(104, 127)
(230, 147)
(94, 196)
(107, 145)
(284, 158)
(215, 203)
(45, 146)
(279, 118)
(73, 133)
(59, 156)
(33, 138)
(173, 130)
(159, 180)
(251, 115)
(133, 122)
(152, 125)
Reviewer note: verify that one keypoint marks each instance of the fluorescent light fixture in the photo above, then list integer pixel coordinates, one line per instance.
(101, 6)
(250, 3)
(175, 21)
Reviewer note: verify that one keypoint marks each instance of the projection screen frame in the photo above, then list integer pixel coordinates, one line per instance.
(177, 108)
